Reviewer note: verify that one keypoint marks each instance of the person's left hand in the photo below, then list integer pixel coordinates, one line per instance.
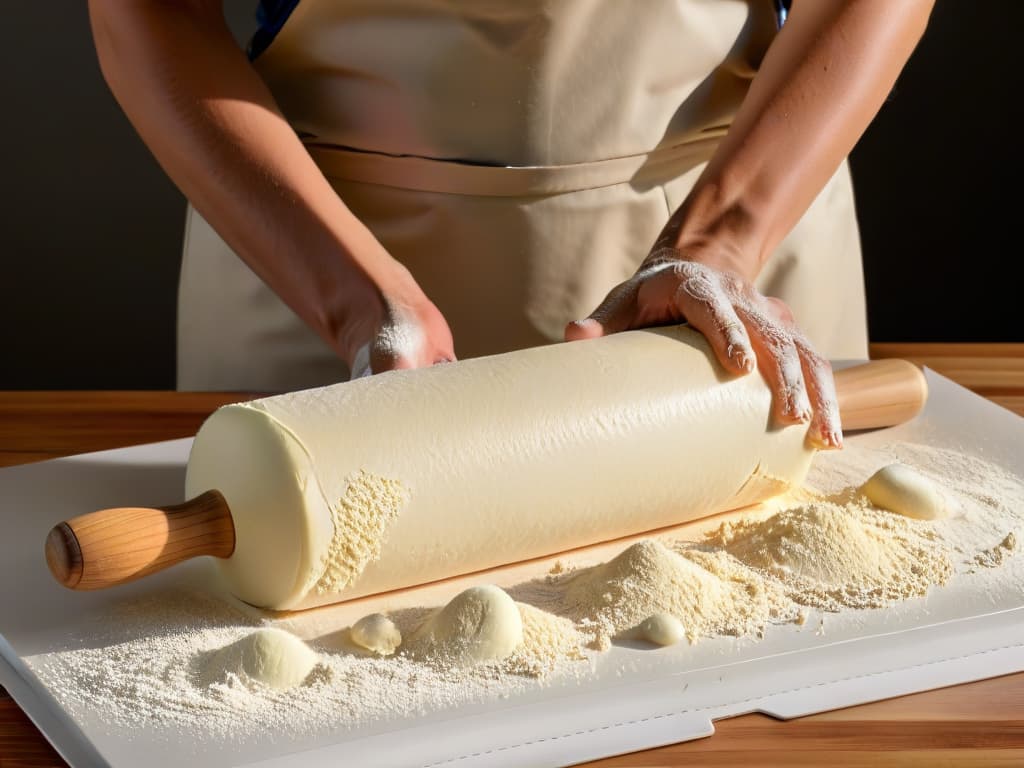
(740, 324)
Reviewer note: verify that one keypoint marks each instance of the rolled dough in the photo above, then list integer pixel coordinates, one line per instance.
(270, 656)
(376, 633)
(499, 459)
(901, 489)
(661, 629)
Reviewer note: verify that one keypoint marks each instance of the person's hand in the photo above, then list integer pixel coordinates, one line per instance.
(401, 329)
(740, 324)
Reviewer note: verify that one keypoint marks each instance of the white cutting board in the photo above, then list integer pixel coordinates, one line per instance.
(632, 699)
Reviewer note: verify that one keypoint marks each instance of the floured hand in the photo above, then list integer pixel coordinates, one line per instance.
(405, 337)
(390, 324)
(741, 326)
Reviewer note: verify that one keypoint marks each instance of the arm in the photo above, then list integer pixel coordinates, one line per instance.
(213, 126)
(822, 81)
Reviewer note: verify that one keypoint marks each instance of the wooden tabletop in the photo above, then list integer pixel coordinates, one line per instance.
(979, 724)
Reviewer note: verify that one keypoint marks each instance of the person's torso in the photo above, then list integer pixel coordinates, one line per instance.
(518, 156)
(514, 82)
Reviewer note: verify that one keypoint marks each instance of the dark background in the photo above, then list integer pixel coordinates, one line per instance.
(92, 228)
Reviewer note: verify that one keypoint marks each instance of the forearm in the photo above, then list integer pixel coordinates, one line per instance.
(215, 129)
(821, 83)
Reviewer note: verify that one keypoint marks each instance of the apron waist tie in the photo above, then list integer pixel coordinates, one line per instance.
(463, 178)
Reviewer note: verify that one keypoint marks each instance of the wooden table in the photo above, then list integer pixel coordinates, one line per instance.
(979, 724)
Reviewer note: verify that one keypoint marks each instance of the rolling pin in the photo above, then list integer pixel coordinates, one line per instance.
(408, 477)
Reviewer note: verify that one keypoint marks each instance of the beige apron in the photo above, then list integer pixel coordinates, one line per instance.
(519, 157)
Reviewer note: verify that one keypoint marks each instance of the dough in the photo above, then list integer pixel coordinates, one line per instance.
(900, 489)
(376, 633)
(480, 624)
(661, 629)
(490, 461)
(270, 656)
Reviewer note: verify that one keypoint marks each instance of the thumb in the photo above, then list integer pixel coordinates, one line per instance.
(587, 328)
(614, 314)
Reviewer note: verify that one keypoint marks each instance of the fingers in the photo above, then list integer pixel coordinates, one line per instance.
(614, 314)
(826, 430)
(702, 300)
(416, 337)
(741, 326)
(397, 346)
(384, 356)
(780, 364)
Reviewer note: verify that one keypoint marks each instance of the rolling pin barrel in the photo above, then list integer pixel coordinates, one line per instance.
(114, 546)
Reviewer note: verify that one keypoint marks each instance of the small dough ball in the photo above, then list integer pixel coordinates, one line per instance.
(480, 624)
(900, 489)
(661, 629)
(270, 656)
(376, 633)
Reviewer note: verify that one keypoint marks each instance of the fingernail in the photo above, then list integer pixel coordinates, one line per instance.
(827, 441)
(583, 323)
(741, 357)
(800, 407)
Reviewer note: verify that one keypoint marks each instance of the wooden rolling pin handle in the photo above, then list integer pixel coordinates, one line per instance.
(880, 393)
(113, 546)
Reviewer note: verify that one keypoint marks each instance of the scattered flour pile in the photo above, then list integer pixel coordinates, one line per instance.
(370, 504)
(994, 556)
(479, 625)
(192, 661)
(704, 591)
(826, 555)
(180, 660)
(548, 641)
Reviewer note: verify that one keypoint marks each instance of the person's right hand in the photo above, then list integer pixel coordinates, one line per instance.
(401, 329)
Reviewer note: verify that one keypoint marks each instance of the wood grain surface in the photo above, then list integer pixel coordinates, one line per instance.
(44, 425)
(979, 724)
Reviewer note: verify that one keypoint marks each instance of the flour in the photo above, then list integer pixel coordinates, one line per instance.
(398, 340)
(829, 555)
(993, 556)
(361, 519)
(548, 641)
(480, 624)
(704, 590)
(148, 662)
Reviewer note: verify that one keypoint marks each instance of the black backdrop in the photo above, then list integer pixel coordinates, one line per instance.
(92, 229)
(938, 181)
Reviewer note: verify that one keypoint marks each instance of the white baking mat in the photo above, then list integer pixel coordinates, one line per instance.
(630, 699)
